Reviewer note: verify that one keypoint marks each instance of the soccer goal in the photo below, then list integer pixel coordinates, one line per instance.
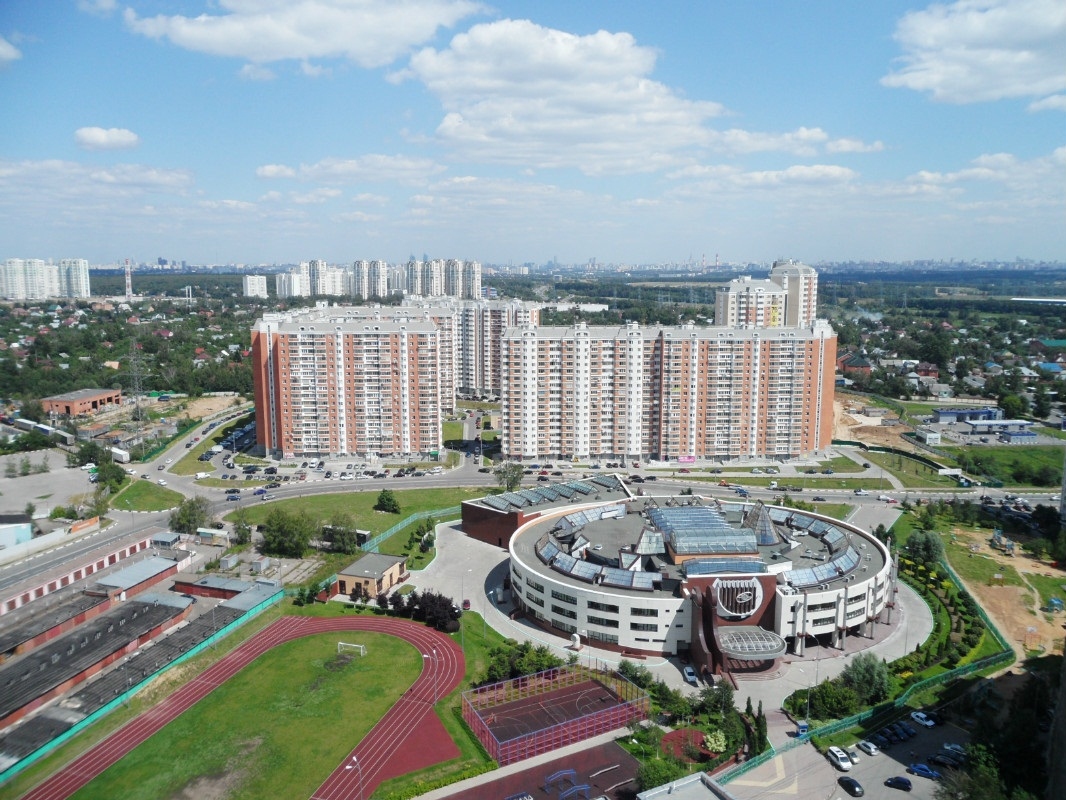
(347, 647)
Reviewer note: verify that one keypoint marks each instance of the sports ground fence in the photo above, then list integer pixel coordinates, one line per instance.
(478, 704)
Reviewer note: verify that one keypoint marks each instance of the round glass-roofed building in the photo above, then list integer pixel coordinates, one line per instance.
(730, 585)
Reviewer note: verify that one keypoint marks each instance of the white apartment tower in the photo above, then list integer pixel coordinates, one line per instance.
(255, 286)
(788, 297)
(35, 279)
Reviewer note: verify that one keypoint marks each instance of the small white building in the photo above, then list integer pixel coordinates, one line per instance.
(928, 436)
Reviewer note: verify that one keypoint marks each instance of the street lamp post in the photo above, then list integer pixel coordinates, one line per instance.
(359, 771)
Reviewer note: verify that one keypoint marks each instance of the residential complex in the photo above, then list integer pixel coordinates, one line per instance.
(680, 394)
(377, 279)
(760, 386)
(35, 279)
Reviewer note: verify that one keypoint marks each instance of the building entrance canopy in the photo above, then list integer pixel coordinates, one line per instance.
(750, 643)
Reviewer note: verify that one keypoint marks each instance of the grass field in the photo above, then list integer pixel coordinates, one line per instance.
(360, 505)
(999, 461)
(912, 474)
(142, 495)
(272, 730)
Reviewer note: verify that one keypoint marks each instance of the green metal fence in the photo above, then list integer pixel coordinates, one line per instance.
(440, 514)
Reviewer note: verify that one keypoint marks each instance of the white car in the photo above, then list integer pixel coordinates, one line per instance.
(922, 719)
(838, 758)
(869, 748)
(161, 482)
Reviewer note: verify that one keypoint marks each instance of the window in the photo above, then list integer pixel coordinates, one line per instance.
(566, 598)
(531, 583)
(607, 623)
(602, 607)
(651, 627)
(564, 612)
(534, 599)
(637, 611)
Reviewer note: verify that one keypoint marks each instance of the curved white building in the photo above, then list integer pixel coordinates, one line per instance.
(724, 583)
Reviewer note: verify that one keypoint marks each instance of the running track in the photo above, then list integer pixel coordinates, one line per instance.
(442, 671)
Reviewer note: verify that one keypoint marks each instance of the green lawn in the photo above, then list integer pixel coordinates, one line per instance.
(1045, 430)
(977, 568)
(912, 474)
(272, 730)
(142, 495)
(999, 462)
(360, 505)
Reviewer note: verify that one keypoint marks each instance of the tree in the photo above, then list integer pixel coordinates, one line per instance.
(242, 529)
(387, 502)
(1041, 402)
(190, 515)
(1013, 406)
(925, 547)
(509, 475)
(286, 534)
(867, 676)
(657, 771)
(111, 475)
(30, 508)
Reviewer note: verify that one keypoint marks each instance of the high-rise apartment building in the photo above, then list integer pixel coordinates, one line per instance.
(787, 298)
(327, 383)
(671, 394)
(255, 286)
(35, 279)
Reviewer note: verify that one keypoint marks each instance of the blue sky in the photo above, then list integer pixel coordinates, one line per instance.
(272, 131)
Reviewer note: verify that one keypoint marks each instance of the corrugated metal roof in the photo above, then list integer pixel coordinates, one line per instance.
(128, 577)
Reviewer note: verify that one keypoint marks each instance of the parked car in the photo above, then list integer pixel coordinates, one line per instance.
(907, 729)
(161, 482)
(690, 676)
(853, 755)
(955, 748)
(899, 782)
(880, 741)
(851, 786)
(924, 771)
(942, 760)
(838, 758)
(922, 719)
(868, 747)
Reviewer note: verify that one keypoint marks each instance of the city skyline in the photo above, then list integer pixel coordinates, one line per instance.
(258, 132)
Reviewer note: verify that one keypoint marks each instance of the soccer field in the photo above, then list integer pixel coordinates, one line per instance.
(276, 729)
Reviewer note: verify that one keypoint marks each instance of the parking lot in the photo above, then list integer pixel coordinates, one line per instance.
(804, 772)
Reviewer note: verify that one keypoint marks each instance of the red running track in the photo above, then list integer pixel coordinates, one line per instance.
(442, 670)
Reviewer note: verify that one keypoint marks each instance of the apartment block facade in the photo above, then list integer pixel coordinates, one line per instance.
(788, 297)
(255, 286)
(36, 279)
(679, 394)
(330, 384)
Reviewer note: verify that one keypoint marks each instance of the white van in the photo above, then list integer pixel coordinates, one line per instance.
(838, 758)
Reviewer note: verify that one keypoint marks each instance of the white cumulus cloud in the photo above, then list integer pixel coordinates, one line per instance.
(370, 33)
(369, 168)
(1057, 102)
(93, 138)
(981, 50)
(8, 52)
(518, 93)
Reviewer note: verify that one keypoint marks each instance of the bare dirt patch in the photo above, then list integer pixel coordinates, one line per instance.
(1014, 609)
(206, 406)
(849, 424)
(220, 785)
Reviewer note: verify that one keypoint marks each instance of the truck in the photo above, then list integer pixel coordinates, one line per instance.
(201, 475)
(217, 449)
(120, 456)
